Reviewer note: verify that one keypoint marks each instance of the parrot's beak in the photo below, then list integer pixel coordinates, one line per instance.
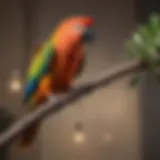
(88, 35)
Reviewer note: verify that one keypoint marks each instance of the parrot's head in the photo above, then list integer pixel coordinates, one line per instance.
(78, 28)
(82, 27)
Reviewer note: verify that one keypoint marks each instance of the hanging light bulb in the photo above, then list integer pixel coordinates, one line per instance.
(78, 135)
(15, 84)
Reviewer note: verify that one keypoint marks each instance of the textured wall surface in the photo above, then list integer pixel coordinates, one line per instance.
(109, 112)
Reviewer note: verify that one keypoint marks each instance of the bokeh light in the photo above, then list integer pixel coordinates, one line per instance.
(79, 137)
(15, 83)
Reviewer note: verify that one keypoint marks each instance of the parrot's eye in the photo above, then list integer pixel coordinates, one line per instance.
(79, 28)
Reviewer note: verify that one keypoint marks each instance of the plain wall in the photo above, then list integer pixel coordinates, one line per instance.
(113, 110)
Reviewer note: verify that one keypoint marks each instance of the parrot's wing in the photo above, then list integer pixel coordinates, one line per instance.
(38, 68)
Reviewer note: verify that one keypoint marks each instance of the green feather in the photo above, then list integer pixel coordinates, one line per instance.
(39, 68)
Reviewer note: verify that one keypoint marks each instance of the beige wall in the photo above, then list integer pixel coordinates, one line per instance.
(111, 110)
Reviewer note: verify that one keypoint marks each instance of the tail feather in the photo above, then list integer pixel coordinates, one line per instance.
(28, 137)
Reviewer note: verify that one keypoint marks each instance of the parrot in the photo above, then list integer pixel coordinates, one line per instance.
(54, 67)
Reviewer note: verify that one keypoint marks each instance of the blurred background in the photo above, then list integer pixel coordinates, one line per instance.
(113, 123)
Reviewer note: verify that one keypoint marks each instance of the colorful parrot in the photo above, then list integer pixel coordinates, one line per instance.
(55, 66)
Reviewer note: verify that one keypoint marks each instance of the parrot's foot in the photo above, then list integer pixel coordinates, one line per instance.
(52, 98)
(55, 98)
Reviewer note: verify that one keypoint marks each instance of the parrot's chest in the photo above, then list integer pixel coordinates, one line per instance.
(66, 70)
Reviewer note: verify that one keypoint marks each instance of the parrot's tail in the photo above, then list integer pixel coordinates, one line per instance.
(28, 137)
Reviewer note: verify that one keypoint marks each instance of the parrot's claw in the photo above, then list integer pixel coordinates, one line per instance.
(52, 98)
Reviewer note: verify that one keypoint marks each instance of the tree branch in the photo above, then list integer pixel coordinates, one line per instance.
(53, 107)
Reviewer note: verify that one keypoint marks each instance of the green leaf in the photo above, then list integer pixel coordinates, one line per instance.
(137, 38)
(145, 33)
(154, 23)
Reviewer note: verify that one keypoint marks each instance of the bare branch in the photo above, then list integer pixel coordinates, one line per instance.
(53, 107)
